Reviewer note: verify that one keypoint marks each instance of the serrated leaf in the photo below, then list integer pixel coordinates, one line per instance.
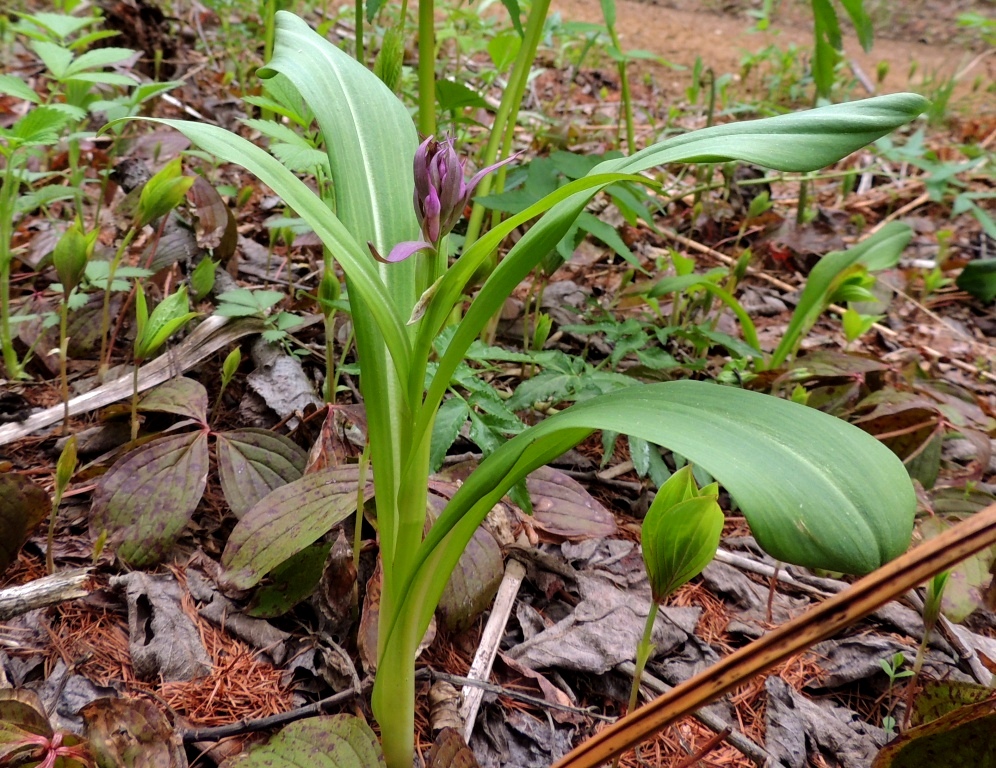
(254, 462)
(287, 520)
(147, 498)
(451, 417)
(181, 396)
(22, 506)
(17, 88)
(339, 741)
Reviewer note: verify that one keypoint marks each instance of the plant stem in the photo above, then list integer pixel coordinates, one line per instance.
(427, 67)
(360, 499)
(627, 100)
(134, 400)
(643, 650)
(508, 110)
(8, 194)
(359, 31)
(105, 315)
(49, 557)
(63, 363)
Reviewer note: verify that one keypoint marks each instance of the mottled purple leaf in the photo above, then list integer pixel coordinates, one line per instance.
(289, 519)
(181, 396)
(962, 737)
(339, 741)
(216, 227)
(253, 462)
(147, 498)
(475, 580)
(22, 506)
(132, 732)
(564, 510)
(451, 751)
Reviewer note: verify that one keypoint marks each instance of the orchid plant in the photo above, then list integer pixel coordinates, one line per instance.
(815, 490)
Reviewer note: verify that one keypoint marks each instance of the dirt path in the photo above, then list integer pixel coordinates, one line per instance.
(680, 30)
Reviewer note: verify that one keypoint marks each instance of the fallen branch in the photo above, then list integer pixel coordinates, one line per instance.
(41, 593)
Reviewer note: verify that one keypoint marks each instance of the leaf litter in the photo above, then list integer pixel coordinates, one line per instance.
(581, 601)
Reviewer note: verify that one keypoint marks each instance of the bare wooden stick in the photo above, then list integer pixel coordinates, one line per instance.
(480, 668)
(40, 593)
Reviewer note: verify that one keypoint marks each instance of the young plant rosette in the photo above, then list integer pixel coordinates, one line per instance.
(815, 490)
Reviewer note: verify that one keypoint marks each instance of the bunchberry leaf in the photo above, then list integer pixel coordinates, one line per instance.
(254, 462)
(148, 496)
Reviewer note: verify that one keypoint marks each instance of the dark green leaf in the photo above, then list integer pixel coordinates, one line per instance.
(451, 417)
(290, 582)
(979, 279)
(339, 741)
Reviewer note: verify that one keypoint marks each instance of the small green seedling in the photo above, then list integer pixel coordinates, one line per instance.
(152, 331)
(680, 536)
(70, 258)
(63, 474)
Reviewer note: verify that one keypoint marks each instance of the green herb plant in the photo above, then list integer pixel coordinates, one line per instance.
(680, 536)
(816, 491)
(70, 259)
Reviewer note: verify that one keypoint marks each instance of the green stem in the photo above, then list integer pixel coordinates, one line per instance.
(427, 67)
(643, 650)
(508, 110)
(360, 499)
(330, 366)
(105, 314)
(8, 194)
(63, 365)
(627, 99)
(134, 400)
(49, 557)
(359, 31)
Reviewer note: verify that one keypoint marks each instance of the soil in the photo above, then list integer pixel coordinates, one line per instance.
(922, 32)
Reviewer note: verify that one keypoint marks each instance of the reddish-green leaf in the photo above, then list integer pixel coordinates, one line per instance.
(147, 498)
(563, 509)
(132, 733)
(340, 741)
(215, 229)
(289, 519)
(253, 462)
(182, 396)
(22, 506)
(963, 737)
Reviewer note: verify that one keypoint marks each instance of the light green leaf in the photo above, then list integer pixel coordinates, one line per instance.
(166, 319)
(17, 88)
(98, 58)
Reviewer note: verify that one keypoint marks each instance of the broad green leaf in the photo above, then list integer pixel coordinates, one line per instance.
(679, 541)
(979, 279)
(55, 58)
(147, 498)
(182, 396)
(339, 741)
(451, 417)
(815, 297)
(61, 25)
(287, 520)
(815, 490)
(253, 462)
(166, 319)
(939, 697)
(22, 506)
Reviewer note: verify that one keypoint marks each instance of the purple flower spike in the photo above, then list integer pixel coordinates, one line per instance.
(441, 193)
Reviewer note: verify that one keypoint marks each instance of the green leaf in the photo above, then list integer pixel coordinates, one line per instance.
(163, 192)
(885, 244)
(290, 582)
(147, 497)
(451, 417)
(815, 490)
(287, 520)
(254, 462)
(979, 279)
(166, 319)
(17, 88)
(65, 467)
(98, 58)
(961, 737)
(181, 395)
(339, 741)
(55, 58)
(22, 506)
(680, 534)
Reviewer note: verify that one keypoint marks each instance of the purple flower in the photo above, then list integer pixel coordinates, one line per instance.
(441, 194)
